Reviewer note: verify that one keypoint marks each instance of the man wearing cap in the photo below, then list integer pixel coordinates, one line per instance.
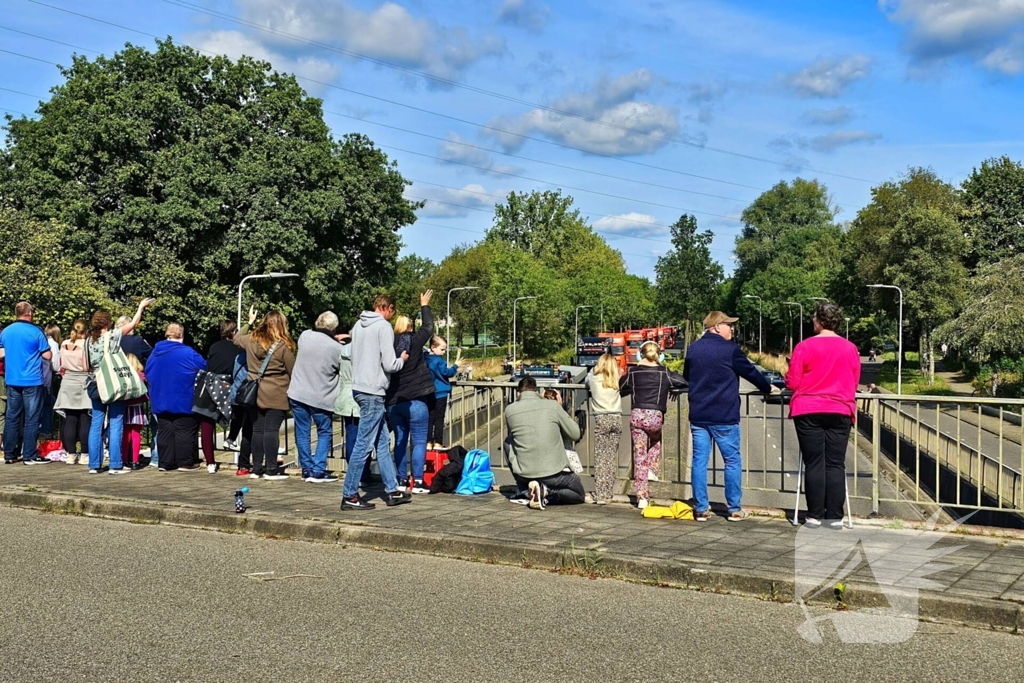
(713, 367)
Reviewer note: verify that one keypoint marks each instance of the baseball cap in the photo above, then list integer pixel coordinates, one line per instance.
(717, 318)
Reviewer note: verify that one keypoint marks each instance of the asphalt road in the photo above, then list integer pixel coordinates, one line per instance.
(91, 600)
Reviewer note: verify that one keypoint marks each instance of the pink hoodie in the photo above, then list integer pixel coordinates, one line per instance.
(823, 374)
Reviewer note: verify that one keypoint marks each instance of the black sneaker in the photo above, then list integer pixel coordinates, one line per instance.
(356, 503)
(419, 486)
(38, 460)
(396, 498)
(403, 485)
(11, 461)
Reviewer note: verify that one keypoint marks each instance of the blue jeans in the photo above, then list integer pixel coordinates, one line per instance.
(305, 418)
(351, 432)
(409, 419)
(23, 403)
(372, 432)
(46, 413)
(115, 413)
(727, 437)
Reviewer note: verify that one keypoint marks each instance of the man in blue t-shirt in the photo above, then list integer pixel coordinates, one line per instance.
(25, 350)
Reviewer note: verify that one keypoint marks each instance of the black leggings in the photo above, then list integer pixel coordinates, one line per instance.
(823, 439)
(435, 428)
(76, 430)
(266, 429)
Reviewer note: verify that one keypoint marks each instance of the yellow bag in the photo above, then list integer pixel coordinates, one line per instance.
(678, 510)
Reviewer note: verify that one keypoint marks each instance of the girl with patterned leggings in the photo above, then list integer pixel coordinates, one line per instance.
(606, 405)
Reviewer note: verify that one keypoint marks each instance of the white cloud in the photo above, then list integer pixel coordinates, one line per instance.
(443, 202)
(388, 32)
(235, 44)
(988, 32)
(828, 117)
(630, 224)
(828, 77)
(611, 105)
(829, 142)
(528, 14)
(458, 150)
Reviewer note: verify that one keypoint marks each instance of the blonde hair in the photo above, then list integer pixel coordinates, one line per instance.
(79, 330)
(437, 340)
(650, 351)
(608, 370)
(53, 332)
(403, 324)
(133, 362)
(274, 328)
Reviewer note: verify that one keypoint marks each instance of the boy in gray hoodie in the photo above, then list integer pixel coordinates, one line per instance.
(373, 360)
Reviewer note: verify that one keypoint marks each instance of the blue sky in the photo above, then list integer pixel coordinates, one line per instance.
(647, 109)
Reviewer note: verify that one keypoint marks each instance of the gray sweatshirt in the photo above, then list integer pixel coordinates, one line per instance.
(315, 375)
(373, 354)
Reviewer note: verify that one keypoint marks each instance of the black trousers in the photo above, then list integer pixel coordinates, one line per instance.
(176, 440)
(435, 427)
(237, 420)
(564, 488)
(823, 440)
(76, 430)
(264, 438)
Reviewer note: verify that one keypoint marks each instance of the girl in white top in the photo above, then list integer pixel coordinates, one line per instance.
(606, 404)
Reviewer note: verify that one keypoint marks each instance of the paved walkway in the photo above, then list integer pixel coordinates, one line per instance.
(756, 556)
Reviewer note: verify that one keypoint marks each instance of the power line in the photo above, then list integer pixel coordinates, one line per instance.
(483, 91)
(15, 111)
(36, 59)
(49, 40)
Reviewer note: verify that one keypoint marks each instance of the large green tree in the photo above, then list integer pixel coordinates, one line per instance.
(993, 210)
(180, 173)
(688, 278)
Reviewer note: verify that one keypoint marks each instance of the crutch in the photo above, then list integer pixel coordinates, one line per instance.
(848, 518)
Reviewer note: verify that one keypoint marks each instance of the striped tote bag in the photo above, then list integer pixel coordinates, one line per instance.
(115, 378)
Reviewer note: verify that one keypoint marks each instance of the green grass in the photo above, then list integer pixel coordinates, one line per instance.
(914, 383)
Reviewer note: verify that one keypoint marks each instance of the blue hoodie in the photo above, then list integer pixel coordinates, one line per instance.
(441, 373)
(171, 372)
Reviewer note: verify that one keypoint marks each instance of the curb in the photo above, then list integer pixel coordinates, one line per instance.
(586, 561)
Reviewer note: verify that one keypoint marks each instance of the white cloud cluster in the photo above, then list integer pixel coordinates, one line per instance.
(829, 142)
(611, 106)
(828, 117)
(458, 150)
(388, 32)
(235, 44)
(630, 224)
(827, 77)
(988, 32)
(528, 14)
(443, 202)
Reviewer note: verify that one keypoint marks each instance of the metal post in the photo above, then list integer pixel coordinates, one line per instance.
(801, 307)
(847, 329)
(759, 329)
(515, 302)
(238, 322)
(899, 357)
(448, 317)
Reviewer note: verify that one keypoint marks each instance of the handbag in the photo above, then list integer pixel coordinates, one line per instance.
(116, 380)
(574, 461)
(249, 390)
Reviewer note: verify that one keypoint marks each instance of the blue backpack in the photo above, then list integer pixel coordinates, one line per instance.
(476, 474)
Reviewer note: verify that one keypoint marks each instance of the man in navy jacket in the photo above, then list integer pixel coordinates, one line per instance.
(171, 373)
(714, 364)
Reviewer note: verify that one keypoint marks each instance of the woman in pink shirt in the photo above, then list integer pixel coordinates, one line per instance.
(823, 374)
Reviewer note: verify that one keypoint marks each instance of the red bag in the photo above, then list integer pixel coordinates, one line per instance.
(47, 447)
(434, 462)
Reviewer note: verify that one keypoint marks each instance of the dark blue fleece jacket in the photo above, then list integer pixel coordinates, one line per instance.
(171, 372)
(713, 367)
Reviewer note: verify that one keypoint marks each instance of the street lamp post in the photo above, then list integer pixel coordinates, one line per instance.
(448, 315)
(256, 277)
(847, 329)
(899, 357)
(485, 340)
(801, 306)
(515, 302)
(577, 328)
(759, 331)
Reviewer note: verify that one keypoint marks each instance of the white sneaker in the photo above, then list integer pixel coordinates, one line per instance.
(212, 468)
(232, 445)
(651, 476)
(281, 450)
(72, 459)
(123, 470)
(812, 523)
(642, 503)
(275, 477)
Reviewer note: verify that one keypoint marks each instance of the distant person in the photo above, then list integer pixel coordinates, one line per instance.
(345, 405)
(135, 420)
(537, 431)
(51, 380)
(713, 367)
(262, 430)
(373, 362)
(649, 384)
(73, 399)
(442, 374)
(606, 405)
(312, 394)
(226, 360)
(133, 343)
(409, 393)
(26, 350)
(171, 371)
(823, 375)
(104, 330)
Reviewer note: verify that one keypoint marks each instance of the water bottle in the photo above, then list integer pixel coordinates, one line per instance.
(240, 499)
